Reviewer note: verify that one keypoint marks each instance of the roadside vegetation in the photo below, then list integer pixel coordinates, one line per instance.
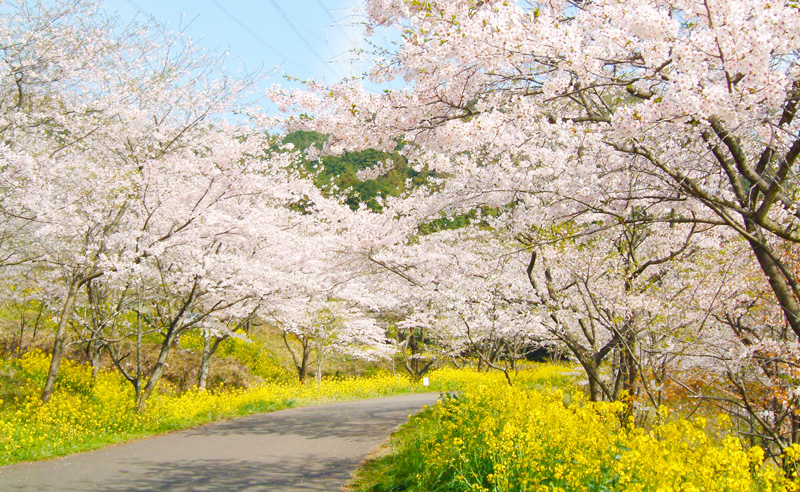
(543, 434)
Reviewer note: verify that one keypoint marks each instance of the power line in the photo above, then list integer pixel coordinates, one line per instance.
(303, 27)
(291, 21)
(249, 31)
(291, 24)
(141, 10)
(326, 10)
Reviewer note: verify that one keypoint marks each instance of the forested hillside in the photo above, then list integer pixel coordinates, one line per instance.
(338, 175)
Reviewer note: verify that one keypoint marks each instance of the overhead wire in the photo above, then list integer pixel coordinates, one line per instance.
(296, 31)
(252, 33)
(330, 16)
(140, 9)
(338, 25)
(303, 27)
(289, 20)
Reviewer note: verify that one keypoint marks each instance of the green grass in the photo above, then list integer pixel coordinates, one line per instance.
(400, 463)
(395, 465)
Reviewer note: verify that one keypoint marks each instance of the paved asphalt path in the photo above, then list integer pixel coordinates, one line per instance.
(299, 449)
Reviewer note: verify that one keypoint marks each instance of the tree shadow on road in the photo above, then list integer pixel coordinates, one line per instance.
(291, 474)
(314, 423)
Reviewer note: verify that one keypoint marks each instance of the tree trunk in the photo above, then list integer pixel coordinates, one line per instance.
(320, 360)
(58, 344)
(779, 284)
(209, 348)
(36, 323)
(21, 343)
(205, 361)
(157, 371)
(302, 369)
(94, 352)
(594, 389)
(595, 386)
(598, 391)
(590, 361)
(625, 377)
(301, 361)
(137, 389)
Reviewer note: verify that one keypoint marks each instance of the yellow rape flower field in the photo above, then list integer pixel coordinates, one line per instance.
(537, 437)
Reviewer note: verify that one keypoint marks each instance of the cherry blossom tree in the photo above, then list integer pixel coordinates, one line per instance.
(416, 336)
(97, 118)
(318, 310)
(323, 327)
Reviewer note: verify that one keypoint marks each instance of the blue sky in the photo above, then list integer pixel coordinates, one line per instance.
(300, 38)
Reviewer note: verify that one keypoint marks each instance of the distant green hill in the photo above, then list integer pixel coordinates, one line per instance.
(336, 175)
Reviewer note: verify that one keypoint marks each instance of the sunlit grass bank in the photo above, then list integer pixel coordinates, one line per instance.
(540, 437)
(88, 413)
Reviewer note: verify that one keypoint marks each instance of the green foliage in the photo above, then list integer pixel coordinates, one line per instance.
(259, 360)
(303, 140)
(447, 223)
(336, 175)
(258, 356)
